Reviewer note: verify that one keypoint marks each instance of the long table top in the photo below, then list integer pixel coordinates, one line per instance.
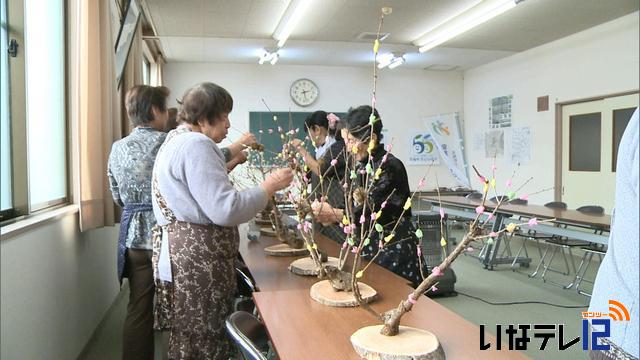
(301, 328)
(571, 217)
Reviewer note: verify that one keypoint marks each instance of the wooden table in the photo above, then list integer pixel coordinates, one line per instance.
(301, 328)
(589, 227)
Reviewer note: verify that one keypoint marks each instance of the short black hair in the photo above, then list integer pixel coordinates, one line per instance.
(205, 101)
(140, 100)
(358, 123)
(317, 118)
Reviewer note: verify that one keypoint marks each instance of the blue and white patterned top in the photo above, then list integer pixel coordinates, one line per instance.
(129, 171)
(617, 277)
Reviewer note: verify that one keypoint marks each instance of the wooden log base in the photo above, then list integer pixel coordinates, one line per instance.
(262, 222)
(307, 267)
(267, 231)
(409, 344)
(323, 293)
(284, 250)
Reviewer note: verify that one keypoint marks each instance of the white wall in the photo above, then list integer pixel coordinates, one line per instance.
(404, 96)
(57, 285)
(598, 61)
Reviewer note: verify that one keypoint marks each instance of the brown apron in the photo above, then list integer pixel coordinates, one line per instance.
(196, 303)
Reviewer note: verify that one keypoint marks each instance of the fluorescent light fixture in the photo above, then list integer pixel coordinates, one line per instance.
(290, 19)
(268, 56)
(464, 21)
(397, 62)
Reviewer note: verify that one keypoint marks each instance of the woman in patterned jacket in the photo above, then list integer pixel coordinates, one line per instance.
(129, 171)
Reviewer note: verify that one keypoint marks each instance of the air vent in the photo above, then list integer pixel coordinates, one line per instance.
(441, 67)
(371, 36)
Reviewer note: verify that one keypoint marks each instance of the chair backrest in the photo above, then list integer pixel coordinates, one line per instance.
(591, 209)
(496, 199)
(246, 287)
(519, 202)
(249, 334)
(474, 196)
(556, 205)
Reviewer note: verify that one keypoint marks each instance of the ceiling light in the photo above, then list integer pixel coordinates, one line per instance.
(290, 19)
(397, 62)
(274, 58)
(391, 60)
(268, 56)
(385, 59)
(462, 22)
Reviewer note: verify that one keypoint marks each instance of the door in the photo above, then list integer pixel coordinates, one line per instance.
(591, 133)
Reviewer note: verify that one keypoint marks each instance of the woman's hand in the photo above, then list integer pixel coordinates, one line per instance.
(240, 158)
(247, 140)
(296, 143)
(325, 213)
(277, 180)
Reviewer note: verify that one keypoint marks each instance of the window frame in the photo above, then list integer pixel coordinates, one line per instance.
(21, 208)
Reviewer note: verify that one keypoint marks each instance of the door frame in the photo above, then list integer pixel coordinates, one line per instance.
(557, 189)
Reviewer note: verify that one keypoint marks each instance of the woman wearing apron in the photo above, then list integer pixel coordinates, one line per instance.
(199, 210)
(129, 170)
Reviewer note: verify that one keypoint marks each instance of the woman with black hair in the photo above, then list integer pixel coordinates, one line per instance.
(388, 192)
(328, 163)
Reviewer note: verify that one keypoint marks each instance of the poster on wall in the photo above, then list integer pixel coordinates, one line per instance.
(494, 144)
(500, 112)
(422, 149)
(520, 145)
(446, 135)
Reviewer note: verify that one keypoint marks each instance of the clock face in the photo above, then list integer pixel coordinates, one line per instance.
(304, 92)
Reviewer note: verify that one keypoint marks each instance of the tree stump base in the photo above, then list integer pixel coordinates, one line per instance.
(285, 250)
(262, 222)
(267, 231)
(323, 293)
(409, 344)
(307, 267)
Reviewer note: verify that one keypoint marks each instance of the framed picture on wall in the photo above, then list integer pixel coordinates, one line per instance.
(125, 37)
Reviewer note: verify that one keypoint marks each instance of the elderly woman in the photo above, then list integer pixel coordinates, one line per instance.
(388, 193)
(199, 210)
(129, 171)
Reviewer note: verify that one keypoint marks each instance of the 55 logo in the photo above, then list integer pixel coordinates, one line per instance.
(423, 144)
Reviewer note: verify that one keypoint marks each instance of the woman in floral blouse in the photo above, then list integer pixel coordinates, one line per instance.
(129, 171)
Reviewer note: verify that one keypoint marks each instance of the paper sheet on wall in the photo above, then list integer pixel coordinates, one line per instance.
(521, 145)
(445, 132)
(494, 144)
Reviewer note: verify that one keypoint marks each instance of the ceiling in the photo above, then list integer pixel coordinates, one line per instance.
(236, 31)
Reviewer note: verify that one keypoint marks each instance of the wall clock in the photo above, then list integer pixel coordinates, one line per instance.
(304, 92)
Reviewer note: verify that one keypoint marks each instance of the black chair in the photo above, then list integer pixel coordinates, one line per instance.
(591, 209)
(499, 198)
(506, 251)
(585, 262)
(244, 293)
(567, 244)
(249, 335)
(474, 196)
(533, 235)
(518, 202)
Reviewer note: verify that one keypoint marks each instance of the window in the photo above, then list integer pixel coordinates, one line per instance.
(34, 149)
(6, 200)
(584, 142)
(146, 71)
